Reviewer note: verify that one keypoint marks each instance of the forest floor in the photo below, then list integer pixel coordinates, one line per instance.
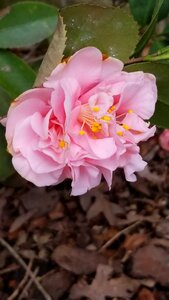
(100, 246)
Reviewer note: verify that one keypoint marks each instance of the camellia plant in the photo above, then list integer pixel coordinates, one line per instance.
(94, 98)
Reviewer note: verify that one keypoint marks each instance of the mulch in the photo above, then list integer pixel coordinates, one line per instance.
(100, 246)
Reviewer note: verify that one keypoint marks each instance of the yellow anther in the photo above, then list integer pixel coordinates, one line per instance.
(96, 124)
(120, 133)
(96, 127)
(106, 118)
(95, 108)
(125, 126)
(62, 144)
(112, 108)
(82, 132)
(130, 111)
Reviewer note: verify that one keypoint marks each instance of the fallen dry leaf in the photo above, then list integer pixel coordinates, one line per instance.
(135, 240)
(103, 206)
(162, 229)
(22, 220)
(151, 261)
(56, 283)
(145, 294)
(77, 260)
(40, 199)
(102, 286)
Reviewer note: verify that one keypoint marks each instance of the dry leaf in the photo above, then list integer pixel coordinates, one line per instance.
(54, 54)
(102, 286)
(135, 240)
(77, 260)
(153, 262)
(146, 294)
(21, 220)
(40, 199)
(108, 209)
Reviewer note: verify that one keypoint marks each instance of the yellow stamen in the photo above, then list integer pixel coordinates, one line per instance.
(125, 126)
(82, 132)
(106, 118)
(112, 108)
(96, 127)
(130, 111)
(62, 144)
(120, 133)
(96, 124)
(95, 108)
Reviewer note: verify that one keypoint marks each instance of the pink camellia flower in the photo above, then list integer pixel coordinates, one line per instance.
(84, 122)
(164, 139)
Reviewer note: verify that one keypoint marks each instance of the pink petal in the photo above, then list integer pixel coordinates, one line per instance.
(84, 66)
(22, 166)
(84, 178)
(140, 96)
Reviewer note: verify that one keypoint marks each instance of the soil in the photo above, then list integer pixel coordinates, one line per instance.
(100, 246)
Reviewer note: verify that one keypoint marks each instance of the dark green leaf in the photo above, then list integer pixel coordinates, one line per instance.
(15, 75)
(4, 102)
(161, 115)
(112, 30)
(157, 45)
(26, 23)
(149, 31)
(6, 168)
(142, 10)
(166, 32)
(161, 71)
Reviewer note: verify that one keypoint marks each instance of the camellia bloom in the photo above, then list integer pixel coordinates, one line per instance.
(164, 139)
(85, 121)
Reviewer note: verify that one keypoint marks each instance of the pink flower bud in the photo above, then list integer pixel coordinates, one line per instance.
(164, 139)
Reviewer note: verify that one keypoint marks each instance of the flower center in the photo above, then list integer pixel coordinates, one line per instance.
(89, 119)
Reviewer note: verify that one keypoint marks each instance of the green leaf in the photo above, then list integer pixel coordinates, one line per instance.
(26, 23)
(6, 168)
(54, 54)
(112, 30)
(142, 10)
(149, 31)
(4, 102)
(157, 45)
(161, 71)
(161, 115)
(15, 75)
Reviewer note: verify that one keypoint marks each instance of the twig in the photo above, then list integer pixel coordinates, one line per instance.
(23, 264)
(134, 60)
(22, 283)
(28, 285)
(9, 269)
(116, 236)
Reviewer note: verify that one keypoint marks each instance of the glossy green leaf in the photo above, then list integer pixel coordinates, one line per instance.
(26, 23)
(112, 30)
(161, 71)
(157, 45)
(6, 168)
(4, 102)
(15, 75)
(142, 10)
(150, 29)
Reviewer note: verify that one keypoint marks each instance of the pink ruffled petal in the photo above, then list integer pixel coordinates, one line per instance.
(84, 178)
(85, 66)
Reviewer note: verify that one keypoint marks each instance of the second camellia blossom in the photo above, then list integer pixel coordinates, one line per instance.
(85, 122)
